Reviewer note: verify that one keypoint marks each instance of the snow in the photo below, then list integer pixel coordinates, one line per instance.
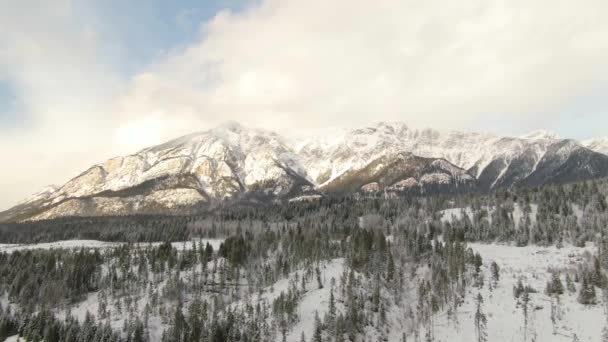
(336, 151)
(95, 244)
(305, 198)
(175, 197)
(435, 178)
(231, 156)
(505, 319)
(66, 244)
(598, 145)
(540, 134)
(449, 215)
(532, 264)
(314, 300)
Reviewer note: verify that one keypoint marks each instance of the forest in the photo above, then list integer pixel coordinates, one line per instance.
(357, 268)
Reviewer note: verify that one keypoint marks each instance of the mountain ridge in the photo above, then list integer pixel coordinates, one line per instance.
(233, 163)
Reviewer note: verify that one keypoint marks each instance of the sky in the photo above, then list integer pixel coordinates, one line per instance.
(83, 80)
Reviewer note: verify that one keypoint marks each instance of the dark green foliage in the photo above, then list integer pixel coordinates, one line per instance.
(586, 295)
(39, 279)
(235, 249)
(554, 286)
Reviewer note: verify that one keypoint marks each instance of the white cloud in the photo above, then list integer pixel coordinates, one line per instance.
(432, 63)
(292, 64)
(64, 89)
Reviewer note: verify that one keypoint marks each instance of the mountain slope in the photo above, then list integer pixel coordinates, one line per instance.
(403, 172)
(223, 163)
(494, 160)
(234, 163)
(597, 145)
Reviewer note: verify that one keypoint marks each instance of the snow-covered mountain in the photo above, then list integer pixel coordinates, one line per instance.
(218, 164)
(232, 162)
(597, 145)
(495, 161)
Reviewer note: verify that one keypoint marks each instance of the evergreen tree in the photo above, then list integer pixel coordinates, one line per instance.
(390, 271)
(586, 295)
(495, 271)
(480, 320)
(318, 332)
(554, 286)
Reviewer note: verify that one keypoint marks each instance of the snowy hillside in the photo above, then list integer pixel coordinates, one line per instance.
(533, 266)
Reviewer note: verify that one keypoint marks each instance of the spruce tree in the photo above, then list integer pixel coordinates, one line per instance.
(495, 271)
(480, 320)
(318, 333)
(586, 295)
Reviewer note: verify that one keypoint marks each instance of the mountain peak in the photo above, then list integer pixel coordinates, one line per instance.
(391, 126)
(231, 126)
(540, 134)
(232, 161)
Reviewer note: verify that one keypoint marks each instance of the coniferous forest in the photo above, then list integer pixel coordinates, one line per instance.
(357, 268)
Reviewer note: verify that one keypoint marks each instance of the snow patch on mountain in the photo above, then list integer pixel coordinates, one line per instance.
(598, 145)
(541, 134)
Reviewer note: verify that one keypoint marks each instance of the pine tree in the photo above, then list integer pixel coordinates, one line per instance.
(570, 284)
(318, 333)
(480, 321)
(495, 270)
(332, 306)
(586, 295)
(179, 327)
(518, 289)
(390, 271)
(554, 286)
(528, 316)
(138, 333)
(318, 272)
(376, 295)
(555, 312)
(604, 337)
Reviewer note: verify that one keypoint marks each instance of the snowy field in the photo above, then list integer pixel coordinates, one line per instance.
(505, 318)
(94, 244)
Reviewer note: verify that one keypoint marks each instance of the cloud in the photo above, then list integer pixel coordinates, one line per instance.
(51, 62)
(293, 63)
(287, 65)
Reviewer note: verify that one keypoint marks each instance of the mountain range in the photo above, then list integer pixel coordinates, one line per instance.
(232, 163)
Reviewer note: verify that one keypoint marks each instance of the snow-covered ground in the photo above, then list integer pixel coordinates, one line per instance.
(76, 244)
(531, 264)
(505, 317)
(67, 244)
(313, 301)
(448, 215)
